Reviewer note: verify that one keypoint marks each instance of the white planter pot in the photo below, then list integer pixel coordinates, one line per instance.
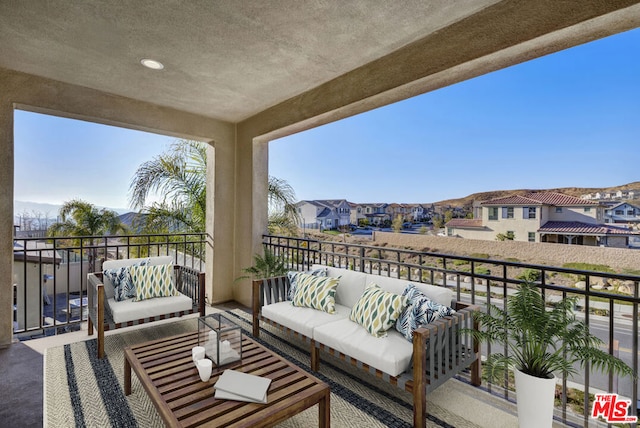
(535, 400)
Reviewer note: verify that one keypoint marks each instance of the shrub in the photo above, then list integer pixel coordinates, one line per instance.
(481, 270)
(530, 275)
(480, 255)
(509, 236)
(588, 266)
(585, 266)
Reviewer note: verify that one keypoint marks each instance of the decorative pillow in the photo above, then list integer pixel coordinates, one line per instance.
(153, 281)
(377, 310)
(315, 292)
(121, 279)
(420, 311)
(292, 275)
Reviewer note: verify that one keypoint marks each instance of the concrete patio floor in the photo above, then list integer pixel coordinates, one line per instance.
(21, 371)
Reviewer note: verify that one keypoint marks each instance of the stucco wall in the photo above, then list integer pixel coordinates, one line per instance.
(535, 253)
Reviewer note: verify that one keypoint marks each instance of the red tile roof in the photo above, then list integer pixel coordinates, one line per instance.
(464, 223)
(537, 198)
(512, 200)
(580, 228)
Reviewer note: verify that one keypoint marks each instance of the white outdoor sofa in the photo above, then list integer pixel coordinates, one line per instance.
(105, 313)
(439, 350)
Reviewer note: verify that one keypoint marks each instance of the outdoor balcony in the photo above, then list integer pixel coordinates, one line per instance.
(239, 75)
(611, 315)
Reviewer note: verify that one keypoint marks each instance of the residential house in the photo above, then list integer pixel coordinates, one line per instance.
(379, 213)
(324, 214)
(403, 210)
(376, 214)
(421, 212)
(626, 194)
(542, 217)
(623, 212)
(355, 213)
(619, 195)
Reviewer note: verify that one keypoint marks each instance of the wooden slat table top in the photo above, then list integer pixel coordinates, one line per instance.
(170, 378)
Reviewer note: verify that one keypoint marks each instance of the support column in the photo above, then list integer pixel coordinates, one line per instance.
(6, 221)
(252, 175)
(221, 213)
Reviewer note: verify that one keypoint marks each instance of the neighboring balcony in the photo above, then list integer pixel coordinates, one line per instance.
(50, 275)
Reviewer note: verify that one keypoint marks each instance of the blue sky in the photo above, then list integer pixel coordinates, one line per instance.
(570, 119)
(57, 160)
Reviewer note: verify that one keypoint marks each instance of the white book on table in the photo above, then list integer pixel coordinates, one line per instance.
(235, 385)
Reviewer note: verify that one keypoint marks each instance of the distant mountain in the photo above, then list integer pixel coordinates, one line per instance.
(571, 191)
(48, 210)
(133, 220)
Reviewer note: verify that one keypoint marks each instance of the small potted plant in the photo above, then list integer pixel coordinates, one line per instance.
(541, 341)
(266, 266)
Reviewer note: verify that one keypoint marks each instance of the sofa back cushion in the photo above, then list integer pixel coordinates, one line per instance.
(353, 283)
(350, 287)
(441, 295)
(115, 264)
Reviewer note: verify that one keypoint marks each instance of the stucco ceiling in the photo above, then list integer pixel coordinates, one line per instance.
(229, 59)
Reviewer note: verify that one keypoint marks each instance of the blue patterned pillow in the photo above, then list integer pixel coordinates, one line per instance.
(419, 311)
(122, 283)
(293, 279)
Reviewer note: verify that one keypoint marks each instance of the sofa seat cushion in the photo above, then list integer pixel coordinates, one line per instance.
(301, 319)
(128, 310)
(391, 354)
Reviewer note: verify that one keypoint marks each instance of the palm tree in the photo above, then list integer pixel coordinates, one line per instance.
(82, 219)
(283, 214)
(180, 176)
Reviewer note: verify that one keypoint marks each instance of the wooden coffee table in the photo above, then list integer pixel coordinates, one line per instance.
(166, 371)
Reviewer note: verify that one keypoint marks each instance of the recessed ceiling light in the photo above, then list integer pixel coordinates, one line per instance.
(152, 64)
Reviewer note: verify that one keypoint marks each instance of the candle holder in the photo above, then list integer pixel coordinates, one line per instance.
(221, 339)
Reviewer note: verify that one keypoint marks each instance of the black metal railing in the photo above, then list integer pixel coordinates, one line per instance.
(50, 274)
(608, 302)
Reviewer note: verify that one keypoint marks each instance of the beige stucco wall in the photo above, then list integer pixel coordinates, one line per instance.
(574, 214)
(535, 253)
(520, 228)
(6, 219)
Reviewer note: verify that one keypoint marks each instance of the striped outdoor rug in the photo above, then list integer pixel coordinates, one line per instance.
(83, 391)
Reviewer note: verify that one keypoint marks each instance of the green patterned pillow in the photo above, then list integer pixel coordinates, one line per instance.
(377, 310)
(317, 292)
(153, 281)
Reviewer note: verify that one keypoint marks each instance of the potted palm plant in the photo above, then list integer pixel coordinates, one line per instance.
(266, 266)
(541, 341)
